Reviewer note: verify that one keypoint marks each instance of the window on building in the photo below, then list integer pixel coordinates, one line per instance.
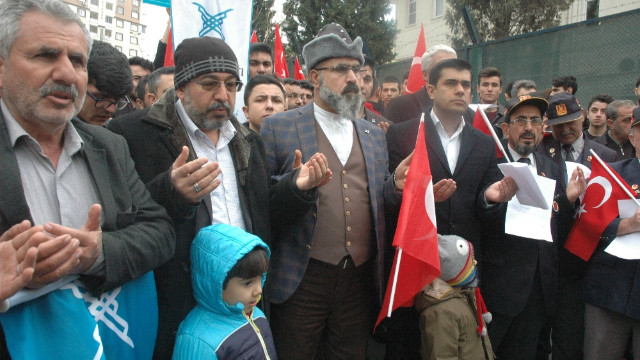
(119, 23)
(94, 15)
(133, 52)
(93, 29)
(119, 48)
(82, 12)
(438, 8)
(119, 36)
(107, 33)
(134, 27)
(120, 10)
(109, 6)
(108, 19)
(95, 2)
(412, 12)
(134, 40)
(136, 2)
(135, 15)
(593, 9)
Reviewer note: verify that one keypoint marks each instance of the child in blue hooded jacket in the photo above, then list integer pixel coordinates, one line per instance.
(228, 269)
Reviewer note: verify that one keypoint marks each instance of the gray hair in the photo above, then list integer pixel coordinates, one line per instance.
(427, 56)
(13, 10)
(527, 84)
(612, 109)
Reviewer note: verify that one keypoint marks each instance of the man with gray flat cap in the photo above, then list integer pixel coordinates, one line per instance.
(328, 250)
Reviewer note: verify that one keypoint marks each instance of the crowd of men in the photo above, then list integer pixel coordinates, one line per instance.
(112, 166)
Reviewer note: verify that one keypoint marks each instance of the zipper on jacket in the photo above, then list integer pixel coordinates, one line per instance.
(257, 331)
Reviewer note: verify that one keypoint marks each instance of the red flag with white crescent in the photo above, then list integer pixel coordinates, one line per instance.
(298, 74)
(416, 262)
(416, 81)
(280, 61)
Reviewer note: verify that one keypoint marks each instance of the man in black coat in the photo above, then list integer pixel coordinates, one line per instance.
(569, 143)
(519, 274)
(612, 284)
(200, 164)
(463, 164)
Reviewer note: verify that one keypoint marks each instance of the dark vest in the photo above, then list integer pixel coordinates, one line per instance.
(343, 225)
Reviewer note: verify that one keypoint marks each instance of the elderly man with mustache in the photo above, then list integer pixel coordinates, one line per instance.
(67, 188)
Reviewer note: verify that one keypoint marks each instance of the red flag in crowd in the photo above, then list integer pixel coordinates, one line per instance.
(254, 37)
(298, 74)
(480, 124)
(597, 209)
(280, 61)
(416, 262)
(168, 55)
(416, 81)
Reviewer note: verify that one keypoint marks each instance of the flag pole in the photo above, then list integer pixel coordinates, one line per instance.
(615, 177)
(395, 281)
(493, 133)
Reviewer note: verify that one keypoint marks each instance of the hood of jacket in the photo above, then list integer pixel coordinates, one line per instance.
(439, 291)
(214, 251)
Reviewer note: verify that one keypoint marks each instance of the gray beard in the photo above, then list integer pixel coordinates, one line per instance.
(202, 121)
(525, 150)
(347, 105)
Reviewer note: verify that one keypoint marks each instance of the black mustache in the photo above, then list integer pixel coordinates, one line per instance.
(351, 87)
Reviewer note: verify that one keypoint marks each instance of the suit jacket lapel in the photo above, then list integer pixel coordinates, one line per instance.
(434, 144)
(305, 126)
(467, 141)
(99, 168)
(13, 204)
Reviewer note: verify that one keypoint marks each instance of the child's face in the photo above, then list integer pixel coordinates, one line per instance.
(245, 291)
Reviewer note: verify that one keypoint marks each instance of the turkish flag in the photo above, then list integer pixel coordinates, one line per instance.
(298, 73)
(480, 124)
(416, 80)
(597, 209)
(168, 55)
(254, 37)
(280, 61)
(416, 262)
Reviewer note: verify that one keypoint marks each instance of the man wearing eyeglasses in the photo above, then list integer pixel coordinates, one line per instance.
(200, 163)
(327, 265)
(109, 83)
(569, 143)
(521, 312)
(295, 97)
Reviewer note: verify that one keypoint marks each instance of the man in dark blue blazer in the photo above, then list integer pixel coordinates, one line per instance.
(612, 284)
(463, 164)
(326, 270)
(569, 143)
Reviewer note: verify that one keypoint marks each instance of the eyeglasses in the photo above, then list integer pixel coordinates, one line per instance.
(213, 85)
(343, 69)
(106, 103)
(522, 121)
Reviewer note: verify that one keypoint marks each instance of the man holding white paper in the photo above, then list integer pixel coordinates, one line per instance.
(520, 273)
(612, 284)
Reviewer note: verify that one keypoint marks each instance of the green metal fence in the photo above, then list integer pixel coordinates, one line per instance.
(603, 54)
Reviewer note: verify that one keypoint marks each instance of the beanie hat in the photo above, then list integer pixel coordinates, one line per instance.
(457, 265)
(203, 55)
(332, 41)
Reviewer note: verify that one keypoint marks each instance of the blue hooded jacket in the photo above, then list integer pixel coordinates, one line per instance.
(215, 329)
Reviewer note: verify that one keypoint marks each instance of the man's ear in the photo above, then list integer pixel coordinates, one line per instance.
(609, 123)
(430, 90)
(505, 129)
(139, 104)
(245, 110)
(1, 71)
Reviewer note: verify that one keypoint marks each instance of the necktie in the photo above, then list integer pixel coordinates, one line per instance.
(568, 148)
(525, 160)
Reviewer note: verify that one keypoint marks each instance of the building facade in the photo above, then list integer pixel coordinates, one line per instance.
(116, 22)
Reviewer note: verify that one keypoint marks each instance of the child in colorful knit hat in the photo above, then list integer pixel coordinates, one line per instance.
(452, 312)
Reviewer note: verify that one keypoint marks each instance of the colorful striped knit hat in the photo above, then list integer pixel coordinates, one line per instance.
(457, 264)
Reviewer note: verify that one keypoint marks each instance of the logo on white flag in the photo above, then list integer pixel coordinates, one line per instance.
(211, 22)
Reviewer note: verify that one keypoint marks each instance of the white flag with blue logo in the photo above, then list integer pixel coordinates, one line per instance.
(229, 20)
(71, 323)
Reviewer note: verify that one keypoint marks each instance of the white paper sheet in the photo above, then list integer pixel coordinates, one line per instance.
(529, 192)
(530, 221)
(626, 246)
